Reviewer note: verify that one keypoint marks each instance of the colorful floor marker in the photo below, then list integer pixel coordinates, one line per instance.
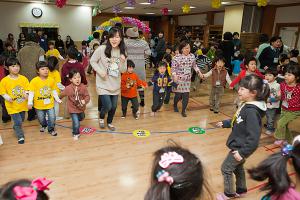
(196, 130)
(86, 130)
(141, 133)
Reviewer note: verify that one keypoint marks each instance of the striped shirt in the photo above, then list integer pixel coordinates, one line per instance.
(203, 61)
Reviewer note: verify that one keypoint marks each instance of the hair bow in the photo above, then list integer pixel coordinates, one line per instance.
(287, 149)
(31, 192)
(163, 176)
(170, 158)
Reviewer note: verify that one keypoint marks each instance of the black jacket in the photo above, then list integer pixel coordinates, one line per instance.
(246, 128)
(267, 56)
(161, 46)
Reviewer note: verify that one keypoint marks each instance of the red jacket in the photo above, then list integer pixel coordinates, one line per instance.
(242, 75)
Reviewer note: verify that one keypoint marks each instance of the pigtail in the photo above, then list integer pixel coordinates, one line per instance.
(265, 92)
(274, 168)
(158, 191)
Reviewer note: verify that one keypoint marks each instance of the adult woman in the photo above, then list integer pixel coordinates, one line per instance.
(10, 39)
(269, 57)
(69, 42)
(181, 70)
(59, 45)
(109, 61)
(264, 43)
(21, 41)
(137, 49)
(161, 47)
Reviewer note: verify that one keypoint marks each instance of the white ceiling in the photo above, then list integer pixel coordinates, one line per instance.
(174, 5)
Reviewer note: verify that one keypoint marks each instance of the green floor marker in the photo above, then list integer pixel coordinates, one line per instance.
(196, 130)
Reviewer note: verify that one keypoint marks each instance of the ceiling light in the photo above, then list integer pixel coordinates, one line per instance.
(225, 2)
(191, 7)
(150, 13)
(129, 8)
(145, 3)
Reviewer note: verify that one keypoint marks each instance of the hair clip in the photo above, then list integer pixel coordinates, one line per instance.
(170, 158)
(31, 192)
(265, 81)
(296, 140)
(164, 176)
(287, 149)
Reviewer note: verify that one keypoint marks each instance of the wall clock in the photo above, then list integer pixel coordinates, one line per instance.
(37, 12)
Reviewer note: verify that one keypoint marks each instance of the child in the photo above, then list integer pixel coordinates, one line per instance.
(294, 56)
(78, 97)
(72, 63)
(250, 64)
(85, 51)
(42, 92)
(245, 135)
(129, 84)
(290, 108)
(24, 189)
(3, 72)
(95, 46)
(219, 78)
(274, 169)
(203, 62)
(273, 100)
(54, 73)
(160, 81)
(284, 62)
(14, 89)
(177, 174)
(53, 52)
(168, 60)
(9, 51)
(237, 65)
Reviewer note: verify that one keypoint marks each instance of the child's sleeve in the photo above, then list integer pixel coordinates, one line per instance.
(236, 80)
(141, 83)
(228, 79)
(86, 95)
(65, 92)
(226, 123)
(208, 74)
(2, 88)
(253, 127)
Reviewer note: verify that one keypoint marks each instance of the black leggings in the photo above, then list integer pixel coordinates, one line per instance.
(185, 100)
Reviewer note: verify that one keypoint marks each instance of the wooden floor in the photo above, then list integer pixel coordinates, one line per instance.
(114, 166)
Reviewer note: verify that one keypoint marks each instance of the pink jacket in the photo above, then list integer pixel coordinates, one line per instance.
(291, 194)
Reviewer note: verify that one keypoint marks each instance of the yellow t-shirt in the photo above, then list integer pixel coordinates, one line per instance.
(57, 79)
(53, 52)
(15, 88)
(43, 98)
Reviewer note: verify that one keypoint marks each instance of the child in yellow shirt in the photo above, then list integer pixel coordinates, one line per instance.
(54, 73)
(42, 93)
(53, 52)
(14, 88)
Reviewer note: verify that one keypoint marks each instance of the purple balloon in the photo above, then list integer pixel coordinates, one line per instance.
(131, 3)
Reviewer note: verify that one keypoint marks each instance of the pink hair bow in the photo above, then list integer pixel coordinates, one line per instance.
(30, 193)
(163, 176)
(170, 158)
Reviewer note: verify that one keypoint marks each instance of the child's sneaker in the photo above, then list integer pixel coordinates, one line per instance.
(279, 142)
(111, 127)
(76, 137)
(152, 114)
(101, 123)
(58, 118)
(224, 197)
(21, 140)
(123, 116)
(53, 133)
(43, 129)
(136, 116)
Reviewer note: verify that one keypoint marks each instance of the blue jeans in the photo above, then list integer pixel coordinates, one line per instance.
(76, 118)
(109, 105)
(41, 114)
(18, 118)
(271, 114)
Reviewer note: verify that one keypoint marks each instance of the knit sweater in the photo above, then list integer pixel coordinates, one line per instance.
(108, 71)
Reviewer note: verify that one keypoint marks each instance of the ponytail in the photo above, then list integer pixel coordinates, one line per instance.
(274, 168)
(265, 92)
(158, 191)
